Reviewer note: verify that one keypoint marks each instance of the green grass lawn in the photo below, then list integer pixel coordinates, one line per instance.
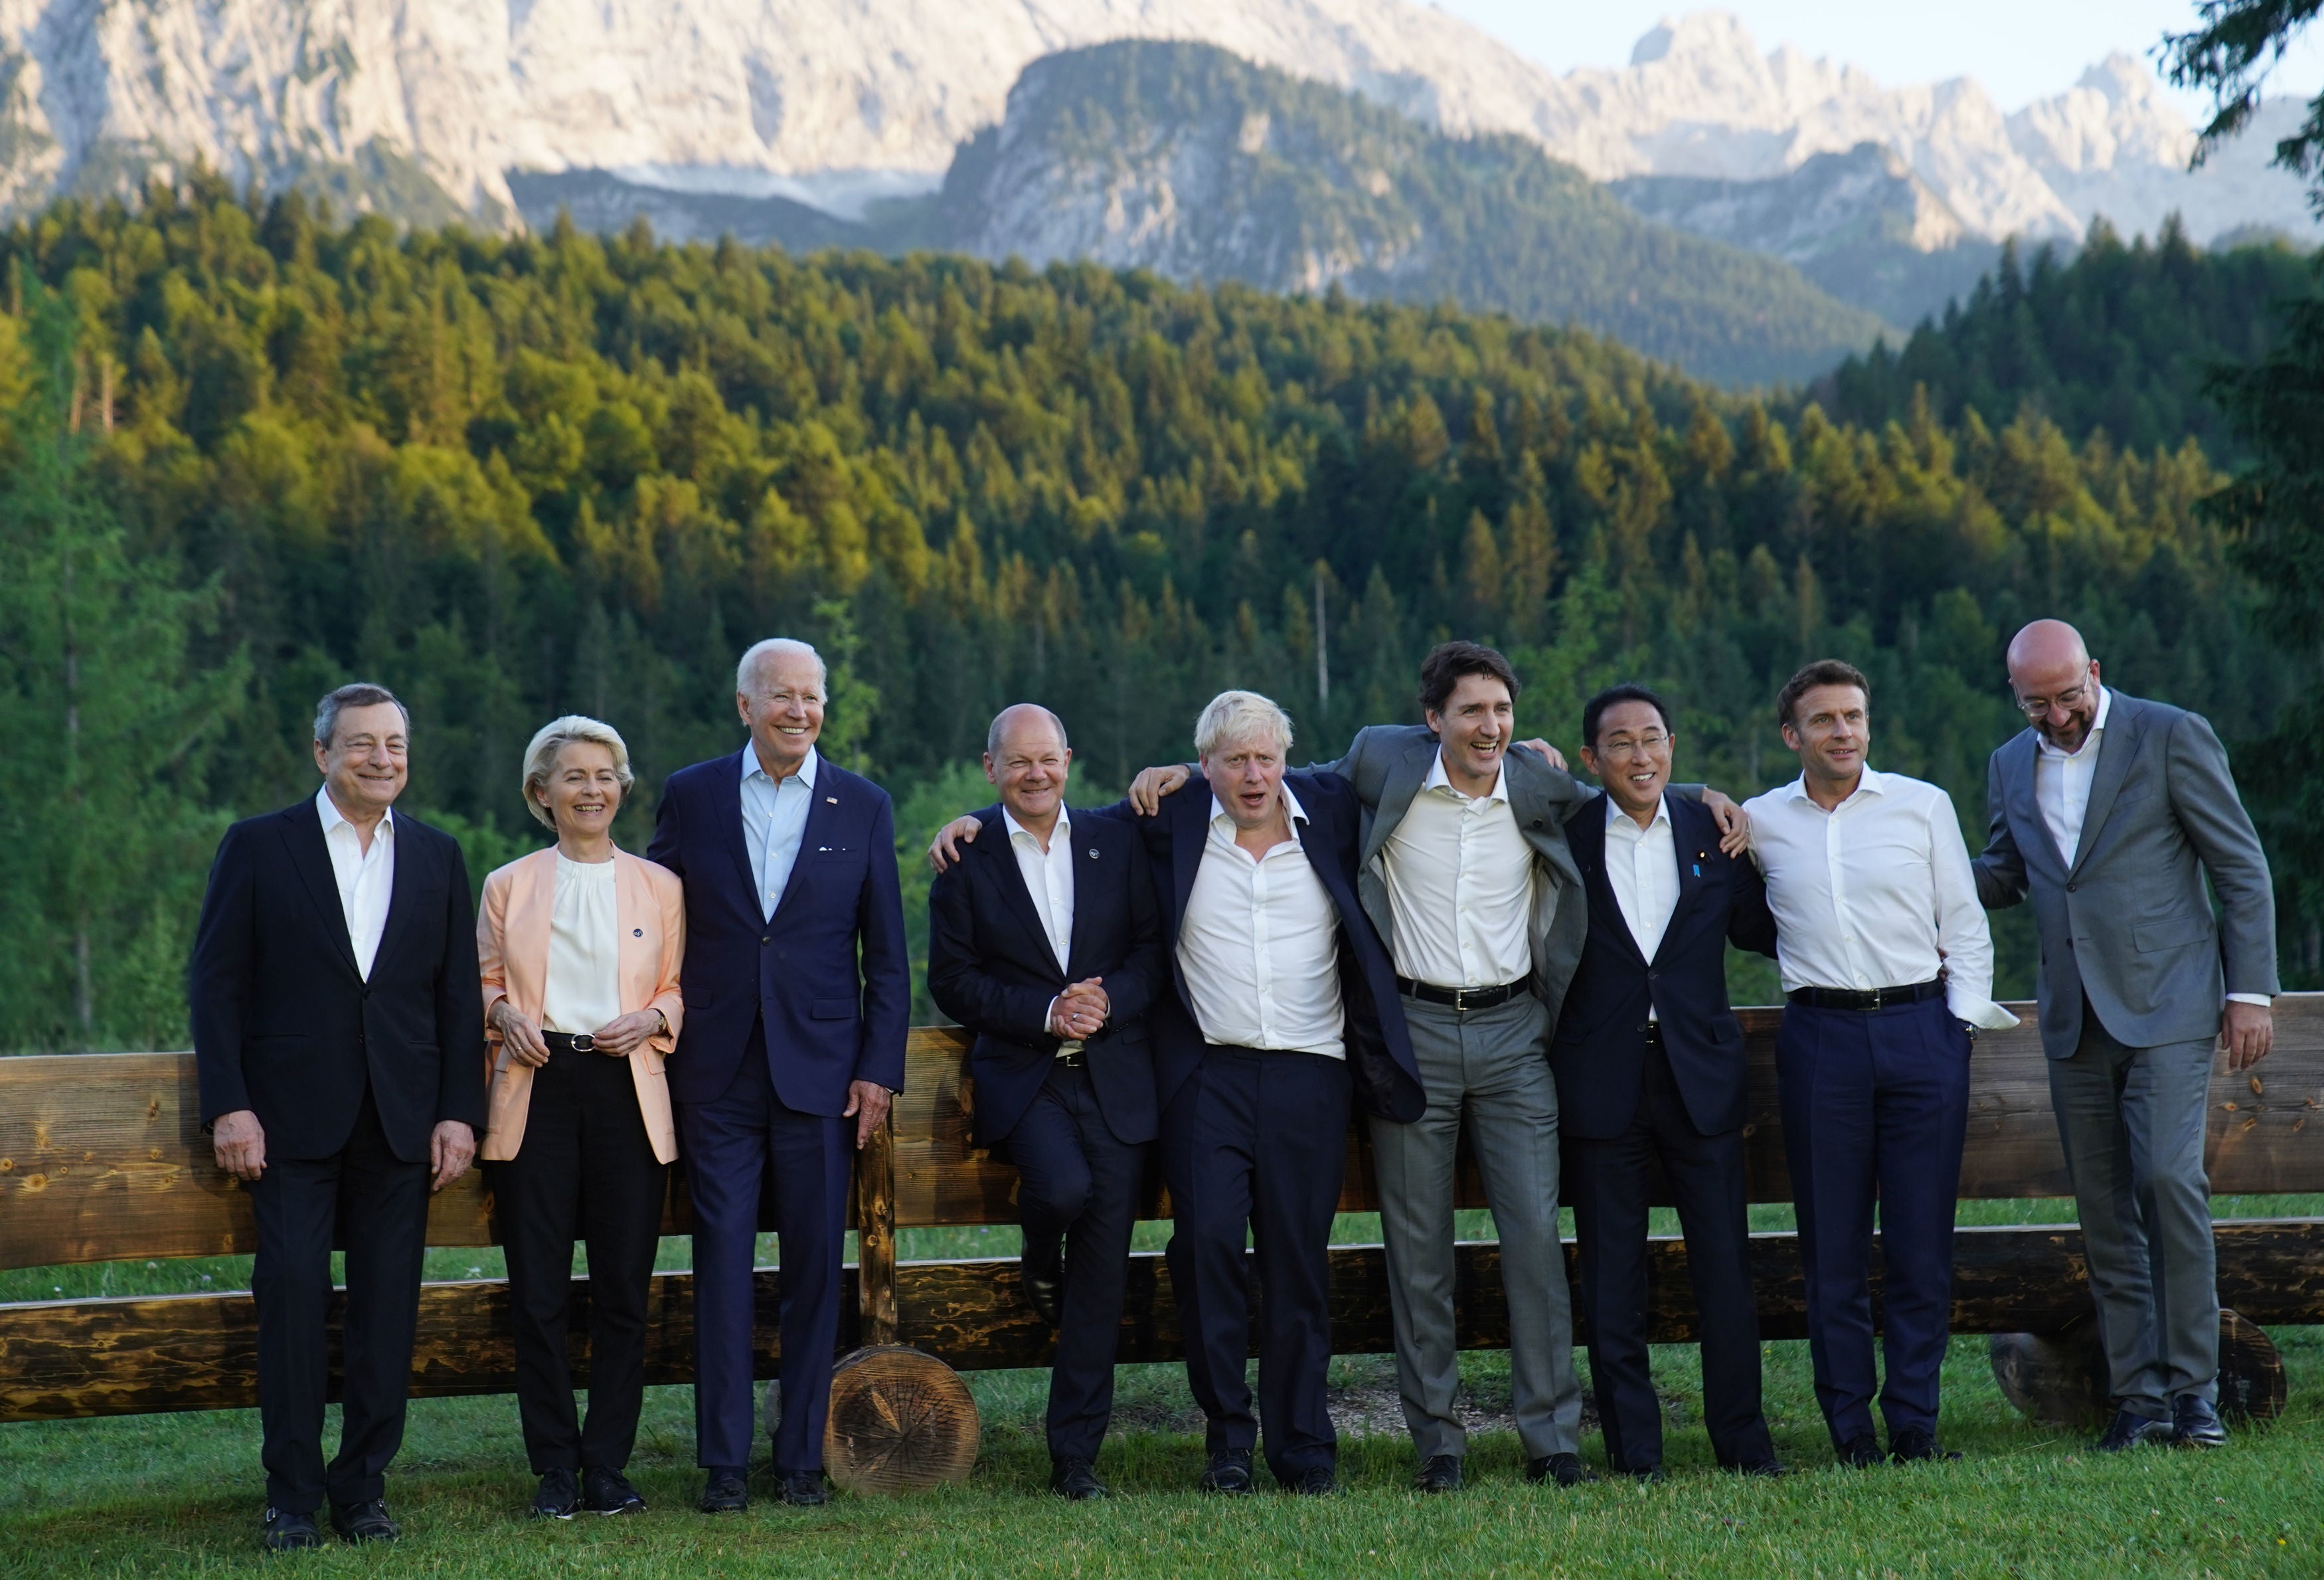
(180, 1494)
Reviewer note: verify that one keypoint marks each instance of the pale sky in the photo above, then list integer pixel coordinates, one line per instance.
(2021, 50)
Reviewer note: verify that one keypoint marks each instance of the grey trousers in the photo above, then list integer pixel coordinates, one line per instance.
(1493, 1067)
(2132, 1120)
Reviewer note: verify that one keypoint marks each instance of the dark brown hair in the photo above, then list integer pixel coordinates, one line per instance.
(1822, 672)
(1442, 669)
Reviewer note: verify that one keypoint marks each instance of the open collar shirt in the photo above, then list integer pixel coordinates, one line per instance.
(2061, 780)
(1642, 869)
(774, 822)
(366, 878)
(1459, 886)
(1259, 945)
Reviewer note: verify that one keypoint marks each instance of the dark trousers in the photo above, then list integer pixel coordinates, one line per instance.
(1875, 1105)
(1609, 1182)
(1075, 1179)
(731, 1146)
(381, 1203)
(1257, 1141)
(586, 1164)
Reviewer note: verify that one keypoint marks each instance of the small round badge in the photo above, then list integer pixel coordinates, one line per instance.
(637, 932)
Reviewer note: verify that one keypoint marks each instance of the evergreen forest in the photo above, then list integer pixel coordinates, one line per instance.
(248, 452)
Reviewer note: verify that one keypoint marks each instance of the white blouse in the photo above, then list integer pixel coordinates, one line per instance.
(585, 950)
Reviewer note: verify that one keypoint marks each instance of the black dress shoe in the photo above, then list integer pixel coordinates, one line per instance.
(559, 1497)
(725, 1491)
(2127, 1431)
(1317, 1481)
(1043, 1270)
(1860, 1453)
(1074, 1480)
(1440, 1474)
(1771, 1469)
(802, 1489)
(608, 1492)
(286, 1532)
(1228, 1472)
(1565, 1469)
(1646, 1475)
(2195, 1423)
(1915, 1444)
(364, 1521)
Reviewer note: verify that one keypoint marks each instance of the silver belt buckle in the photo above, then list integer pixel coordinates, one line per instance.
(583, 1042)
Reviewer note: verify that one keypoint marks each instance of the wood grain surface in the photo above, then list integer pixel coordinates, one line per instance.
(69, 1358)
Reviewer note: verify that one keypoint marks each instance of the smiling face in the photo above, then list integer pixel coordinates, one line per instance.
(1247, 776)
(783, 707)
(1632, 756)
(1831, 728)
(584, 791)
(1474, 727)
(366, 761)
(1030, 767)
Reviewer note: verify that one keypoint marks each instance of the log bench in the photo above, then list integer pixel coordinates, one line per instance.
(101, 1161)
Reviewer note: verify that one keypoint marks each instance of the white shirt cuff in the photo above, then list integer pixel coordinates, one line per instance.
(2260, 999)
(1982, 1013)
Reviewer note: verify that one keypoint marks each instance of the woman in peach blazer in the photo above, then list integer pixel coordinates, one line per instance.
(580, 947)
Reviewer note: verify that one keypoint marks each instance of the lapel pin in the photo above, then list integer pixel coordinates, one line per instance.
(637, 932)
(833, 800)
(1092, 852)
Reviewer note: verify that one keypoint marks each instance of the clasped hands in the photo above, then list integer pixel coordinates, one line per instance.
(618, 1038)
(1080, 1011)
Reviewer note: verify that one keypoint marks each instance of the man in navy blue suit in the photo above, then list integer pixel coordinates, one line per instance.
(1649, 1064)
(797, 995)
(1045, 940)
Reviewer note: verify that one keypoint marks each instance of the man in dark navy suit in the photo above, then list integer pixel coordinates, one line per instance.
(1045, 940)
(798, 996)
(339, 1039)
(1649, 1065)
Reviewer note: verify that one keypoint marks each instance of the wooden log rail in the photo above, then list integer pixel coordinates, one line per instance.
(100, 1160)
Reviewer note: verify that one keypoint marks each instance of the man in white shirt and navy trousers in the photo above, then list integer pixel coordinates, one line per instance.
(1887, 972)
(2109, 811)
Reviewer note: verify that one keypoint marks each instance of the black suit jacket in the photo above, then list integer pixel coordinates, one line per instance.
(286, 1027)
(1379, 1051)
(1599, 1050)
(990, 968)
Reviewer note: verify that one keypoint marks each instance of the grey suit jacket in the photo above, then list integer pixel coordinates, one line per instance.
(2127, 923)
(1387, 763)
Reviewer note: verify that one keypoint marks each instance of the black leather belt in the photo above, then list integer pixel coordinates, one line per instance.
(1878, 998)
(1461, 998)
(569, 1042)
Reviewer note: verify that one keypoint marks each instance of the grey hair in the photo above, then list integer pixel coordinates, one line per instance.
(1236, 716)
(993, 734)
(359, 694)
(540, 757)
(778, 647)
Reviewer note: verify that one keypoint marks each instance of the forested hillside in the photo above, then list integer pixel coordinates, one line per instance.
(2122, 337)
(250, 455)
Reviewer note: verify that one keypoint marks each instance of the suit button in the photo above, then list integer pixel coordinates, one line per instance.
(767, 939)
(2071, 888)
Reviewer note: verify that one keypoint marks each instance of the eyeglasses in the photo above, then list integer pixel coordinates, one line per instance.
(1644, 746)
(2036, 707)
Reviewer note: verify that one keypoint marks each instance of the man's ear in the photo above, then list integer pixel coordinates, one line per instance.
(991, 778)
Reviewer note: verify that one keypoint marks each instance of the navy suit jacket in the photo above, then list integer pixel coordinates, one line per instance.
(1599, 1050)
(991, 969)
(1379, 1051)
(829, 1018)
(284, 1025)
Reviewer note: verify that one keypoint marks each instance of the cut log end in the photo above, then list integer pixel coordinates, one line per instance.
(901, 1421)
(2061, 1379)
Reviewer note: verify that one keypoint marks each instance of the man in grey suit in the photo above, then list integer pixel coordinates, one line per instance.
(2109, 811)
(1467, 877)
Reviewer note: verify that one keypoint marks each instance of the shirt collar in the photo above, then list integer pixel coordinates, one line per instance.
(2106, 706)
(1873, 780)
(1616, 817)
(1437, 779)
(334, 819)
(1291, 802)
(1064, 827)
(806, 775)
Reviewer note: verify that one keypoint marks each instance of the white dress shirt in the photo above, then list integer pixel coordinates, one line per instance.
(1048, 877)
(1259, 946)
(774, 821)
(1642, 869)
(1459, 886)
(584, 991)
(366, 878)
(1877, 893)
(2061, 789)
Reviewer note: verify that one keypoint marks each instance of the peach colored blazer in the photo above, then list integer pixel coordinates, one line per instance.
(513, 949)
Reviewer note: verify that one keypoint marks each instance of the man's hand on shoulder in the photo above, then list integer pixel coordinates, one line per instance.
(867, 1105)
(1146, 790)
(944, 849)
(238, 1143)
(1734, 822)
(1556, 758)
(450, 1150)
(2247, 1033)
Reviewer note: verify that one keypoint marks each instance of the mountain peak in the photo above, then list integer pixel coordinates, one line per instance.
(1695, 35)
